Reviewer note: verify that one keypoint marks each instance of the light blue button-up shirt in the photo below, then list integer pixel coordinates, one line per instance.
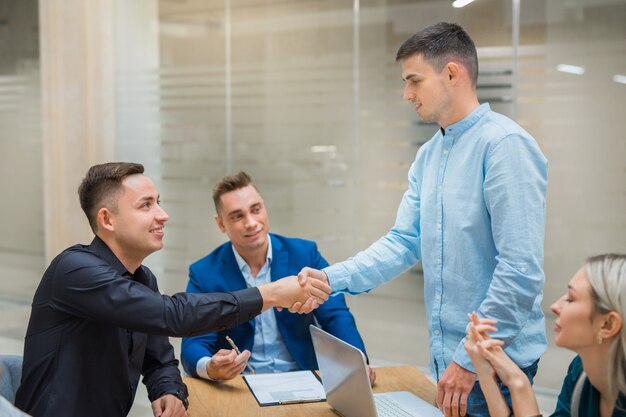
(474, 214)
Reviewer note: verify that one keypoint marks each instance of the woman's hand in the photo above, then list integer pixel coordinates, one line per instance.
(490, 350)
(477, 332)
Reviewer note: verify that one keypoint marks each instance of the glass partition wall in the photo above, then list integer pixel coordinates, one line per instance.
(21, 187)
(306, 97)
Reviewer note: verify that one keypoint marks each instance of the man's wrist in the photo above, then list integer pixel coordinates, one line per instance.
(208, 373)
(180, 395)
(268, 294)
(202, 368)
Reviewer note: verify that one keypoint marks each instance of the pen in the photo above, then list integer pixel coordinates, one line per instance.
(234, 346)
(300, 400)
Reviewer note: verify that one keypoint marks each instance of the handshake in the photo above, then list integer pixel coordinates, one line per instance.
(300, 294)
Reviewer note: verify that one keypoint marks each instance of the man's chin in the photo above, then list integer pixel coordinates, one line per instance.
(257, 242)
(426, 119)
(157, 246)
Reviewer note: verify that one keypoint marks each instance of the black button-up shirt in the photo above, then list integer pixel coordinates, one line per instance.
(95, 328)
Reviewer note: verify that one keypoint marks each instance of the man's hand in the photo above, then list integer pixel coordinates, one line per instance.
(452, 390)
(226, 364)
(168, 406)
(371, 374)
(288, 291)
(306, 273)
(303, 279)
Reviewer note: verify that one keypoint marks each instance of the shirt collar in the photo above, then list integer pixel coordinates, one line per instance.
(103, 251)
(241, 263)
(468, 122)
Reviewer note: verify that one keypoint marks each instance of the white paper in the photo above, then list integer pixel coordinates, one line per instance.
(285, 387)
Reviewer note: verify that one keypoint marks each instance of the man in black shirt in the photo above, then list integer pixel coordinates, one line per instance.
(98, 321)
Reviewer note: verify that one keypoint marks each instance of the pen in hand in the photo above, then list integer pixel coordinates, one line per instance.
(236, 349)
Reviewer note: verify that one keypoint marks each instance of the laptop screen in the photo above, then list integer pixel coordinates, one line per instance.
(344, 375)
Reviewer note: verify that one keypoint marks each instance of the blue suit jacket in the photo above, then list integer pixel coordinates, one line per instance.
(219, 272)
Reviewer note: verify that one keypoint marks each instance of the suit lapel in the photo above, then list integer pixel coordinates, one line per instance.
(230, 270)
(280, 260)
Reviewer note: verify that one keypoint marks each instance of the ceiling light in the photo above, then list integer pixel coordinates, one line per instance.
(618, 78)
(460, 3)
(571, 69)
(323, 148)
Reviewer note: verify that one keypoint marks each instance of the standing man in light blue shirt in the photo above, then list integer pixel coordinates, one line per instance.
(474, 214)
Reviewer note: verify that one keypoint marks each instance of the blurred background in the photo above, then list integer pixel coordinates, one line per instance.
(307, 98)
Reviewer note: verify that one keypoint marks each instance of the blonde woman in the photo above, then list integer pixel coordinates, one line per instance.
(590, 321)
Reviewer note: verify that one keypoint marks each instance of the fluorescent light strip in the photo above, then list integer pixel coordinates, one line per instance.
(460, 3)
(618, 78)
(323, 148)
(571, 69)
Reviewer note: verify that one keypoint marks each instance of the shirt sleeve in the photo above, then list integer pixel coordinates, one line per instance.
(390, 255)
(86, 286)
(515, 196)
(196, 351)
(160, 368)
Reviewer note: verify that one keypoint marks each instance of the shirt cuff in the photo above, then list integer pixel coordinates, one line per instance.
(201, 367)
(250, 303)
(338, 278)
(462, 358)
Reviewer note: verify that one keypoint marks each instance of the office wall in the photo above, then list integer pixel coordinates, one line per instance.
(579, 123)
(20, 130)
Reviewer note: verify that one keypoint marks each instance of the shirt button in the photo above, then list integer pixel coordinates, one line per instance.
(438, 226)
(437, 297)
(522, 270)
(437, 332)
(445, 151)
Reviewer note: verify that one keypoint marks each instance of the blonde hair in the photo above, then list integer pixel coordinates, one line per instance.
(607, 276)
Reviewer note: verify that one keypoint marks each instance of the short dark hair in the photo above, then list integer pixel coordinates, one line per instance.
(229, 183)
(442, 43)
(101, 186)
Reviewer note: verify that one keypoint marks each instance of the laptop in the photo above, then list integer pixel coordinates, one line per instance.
(348, 391)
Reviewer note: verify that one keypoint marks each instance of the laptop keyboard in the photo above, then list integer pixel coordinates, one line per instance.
(386, 407)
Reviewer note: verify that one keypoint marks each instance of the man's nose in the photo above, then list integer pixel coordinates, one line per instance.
(161, 215)
(250, 221)
(408, 94)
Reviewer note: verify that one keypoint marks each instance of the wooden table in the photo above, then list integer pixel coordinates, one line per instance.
(233, 398)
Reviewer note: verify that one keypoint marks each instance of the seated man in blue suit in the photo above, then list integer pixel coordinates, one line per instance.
(275, 341)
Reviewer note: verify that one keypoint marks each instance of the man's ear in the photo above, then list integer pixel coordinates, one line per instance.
(220, 223)
(104, 219)
(611, 325)
(452, 72)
